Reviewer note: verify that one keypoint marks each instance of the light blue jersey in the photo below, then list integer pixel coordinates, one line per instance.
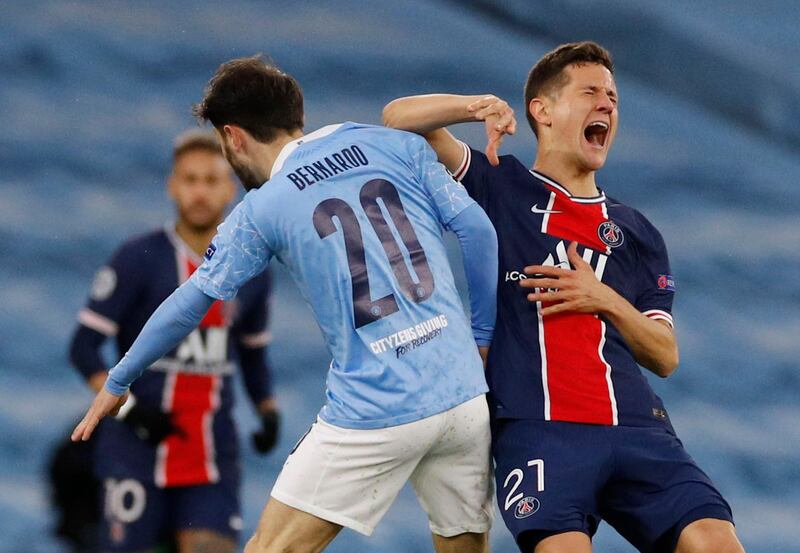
(356, 213)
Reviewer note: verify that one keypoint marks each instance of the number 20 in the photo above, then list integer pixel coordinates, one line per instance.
(518, 474)
(366, 310)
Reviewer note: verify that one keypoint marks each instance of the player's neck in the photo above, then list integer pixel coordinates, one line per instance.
(272, 150)
(198, 240)
(578, 181)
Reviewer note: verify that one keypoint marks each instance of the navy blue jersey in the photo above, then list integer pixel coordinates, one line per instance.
(567, 367)
(194, 381)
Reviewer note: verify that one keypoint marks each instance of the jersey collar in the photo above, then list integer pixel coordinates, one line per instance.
(287, 150)
(180, 245)
(592, 200)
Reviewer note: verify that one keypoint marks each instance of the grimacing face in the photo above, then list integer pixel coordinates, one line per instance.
(202, 187)
(584, 116)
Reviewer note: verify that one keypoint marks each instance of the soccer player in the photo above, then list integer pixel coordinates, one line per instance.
(579, 435)
(356, 213)
(169, 463)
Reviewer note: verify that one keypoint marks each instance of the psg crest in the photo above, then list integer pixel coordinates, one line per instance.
(526, 507)
(610, 234)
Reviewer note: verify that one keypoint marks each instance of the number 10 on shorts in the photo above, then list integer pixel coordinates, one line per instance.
(525, 506)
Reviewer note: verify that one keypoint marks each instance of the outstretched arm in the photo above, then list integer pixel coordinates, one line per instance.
(428, 115)
(175, 318)
(579, 291)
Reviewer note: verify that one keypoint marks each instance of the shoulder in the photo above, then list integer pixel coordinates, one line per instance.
(132, 261)
(642, 230)
(382, 145)
(349, 127)
(509, 164)
(151, 243)
(389, 138)
(257, 216)
(261, 203)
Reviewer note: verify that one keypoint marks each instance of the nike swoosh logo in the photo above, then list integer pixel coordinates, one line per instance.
(535, 209)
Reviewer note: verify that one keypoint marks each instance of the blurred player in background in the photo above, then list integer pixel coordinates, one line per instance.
(169, 462)
(356, 213)
(578, 434)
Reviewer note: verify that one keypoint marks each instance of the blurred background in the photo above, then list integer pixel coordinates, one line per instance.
(92, 94)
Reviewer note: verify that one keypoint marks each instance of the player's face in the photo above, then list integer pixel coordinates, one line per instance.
(202, 186)
(584, 116)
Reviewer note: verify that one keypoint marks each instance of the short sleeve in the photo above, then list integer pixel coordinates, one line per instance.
(656, 284)
(449, 197)
(236, 254)
(115, 289)
(473, 173)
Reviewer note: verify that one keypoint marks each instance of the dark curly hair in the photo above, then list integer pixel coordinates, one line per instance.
(254, 95)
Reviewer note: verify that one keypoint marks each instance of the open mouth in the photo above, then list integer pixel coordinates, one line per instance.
(596, 133)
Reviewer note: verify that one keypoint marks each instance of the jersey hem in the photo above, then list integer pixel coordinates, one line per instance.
(358, 424)
(655, 424)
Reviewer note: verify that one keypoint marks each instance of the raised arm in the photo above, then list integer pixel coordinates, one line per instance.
(428, 114)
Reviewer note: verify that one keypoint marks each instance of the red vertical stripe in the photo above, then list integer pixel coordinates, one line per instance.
(576, 376)
(186, 458)
(188, 455)
(576, 379)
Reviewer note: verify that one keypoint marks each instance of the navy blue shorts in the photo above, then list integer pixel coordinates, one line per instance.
(555, 477)
(138, 516)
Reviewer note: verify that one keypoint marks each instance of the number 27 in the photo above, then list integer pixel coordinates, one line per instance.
(517, 474)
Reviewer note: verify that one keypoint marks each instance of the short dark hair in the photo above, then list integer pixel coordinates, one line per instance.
(254, 95)
(548, 76)
(193, 140)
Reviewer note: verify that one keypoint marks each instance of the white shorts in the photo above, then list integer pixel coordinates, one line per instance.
(351, 477)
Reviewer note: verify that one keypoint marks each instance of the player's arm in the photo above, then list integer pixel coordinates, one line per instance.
(115, 290)
(256, 375)
(478, 241)
(429, 114)
(84, 354)
(257, 382)
(252, 342)
(652, 340)
(579, 291)
(477, 238)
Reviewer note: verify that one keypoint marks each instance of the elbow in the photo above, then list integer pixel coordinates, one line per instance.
(487, 229)
(390, 114)
(667, 364)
